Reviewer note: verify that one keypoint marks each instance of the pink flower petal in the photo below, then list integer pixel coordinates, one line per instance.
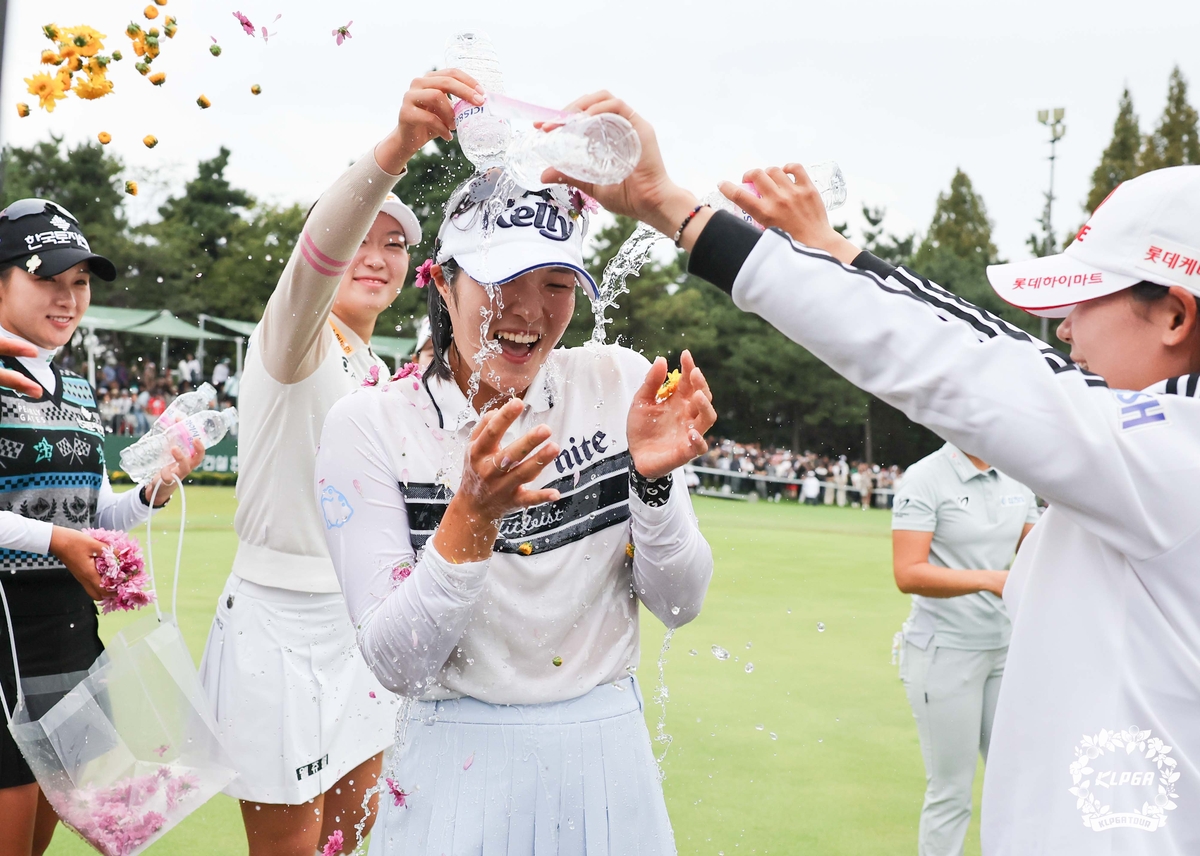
(470, 760)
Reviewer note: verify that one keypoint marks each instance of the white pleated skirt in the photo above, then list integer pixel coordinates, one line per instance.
(574, 777)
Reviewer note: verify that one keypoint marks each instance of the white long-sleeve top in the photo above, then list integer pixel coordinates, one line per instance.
(113, 511)
(560, 583)
(1096, 741)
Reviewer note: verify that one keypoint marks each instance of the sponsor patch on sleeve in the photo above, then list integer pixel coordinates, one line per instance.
(1139, 409)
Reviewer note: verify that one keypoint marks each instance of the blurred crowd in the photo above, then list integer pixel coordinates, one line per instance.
(811, 478)
(130, 396)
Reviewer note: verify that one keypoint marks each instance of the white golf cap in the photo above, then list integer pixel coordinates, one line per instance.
(1147, 230)
(534, 229)
(393, 207)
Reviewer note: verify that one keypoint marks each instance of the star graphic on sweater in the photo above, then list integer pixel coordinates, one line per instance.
(44, 450)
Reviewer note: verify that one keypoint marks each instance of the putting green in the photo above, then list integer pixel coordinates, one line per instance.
(814, 751)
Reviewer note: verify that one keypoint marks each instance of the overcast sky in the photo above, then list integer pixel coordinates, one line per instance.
(898, 93)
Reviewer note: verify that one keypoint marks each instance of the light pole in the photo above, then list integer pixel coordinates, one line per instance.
(1052, 119)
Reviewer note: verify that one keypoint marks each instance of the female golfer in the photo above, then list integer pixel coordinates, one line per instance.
(1096, 742)
(956, 525)
(53, 483)
(304, 719)
(495, 525)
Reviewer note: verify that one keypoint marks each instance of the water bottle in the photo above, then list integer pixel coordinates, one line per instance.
(602, 149)
(153, 451)
(203, 397)
(826, 177)
(483, 136)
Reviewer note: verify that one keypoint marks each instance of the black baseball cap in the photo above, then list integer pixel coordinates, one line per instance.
(44, 238)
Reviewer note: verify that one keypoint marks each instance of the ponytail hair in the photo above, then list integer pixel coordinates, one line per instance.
(441, 332)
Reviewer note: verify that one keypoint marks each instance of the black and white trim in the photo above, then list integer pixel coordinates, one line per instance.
(1186, 385)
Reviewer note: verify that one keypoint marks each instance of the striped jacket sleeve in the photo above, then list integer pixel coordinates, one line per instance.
(986, 386)
(289, 337)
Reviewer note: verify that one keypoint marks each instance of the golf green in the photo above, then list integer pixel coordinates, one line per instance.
(813, 750)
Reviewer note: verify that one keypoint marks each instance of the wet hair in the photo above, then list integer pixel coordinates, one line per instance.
(441, 331)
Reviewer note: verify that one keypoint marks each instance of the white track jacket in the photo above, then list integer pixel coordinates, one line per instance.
(1096, 739)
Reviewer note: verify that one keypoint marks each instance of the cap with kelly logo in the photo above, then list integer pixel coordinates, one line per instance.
(533, 229)
(44, 239)
(1147, 230)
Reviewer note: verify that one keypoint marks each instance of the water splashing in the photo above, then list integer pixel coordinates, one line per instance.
(660, 698)
(380, 786)
(626, 263)
(720, 653)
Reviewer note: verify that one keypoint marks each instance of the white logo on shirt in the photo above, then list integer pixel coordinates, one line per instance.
(1144, 773)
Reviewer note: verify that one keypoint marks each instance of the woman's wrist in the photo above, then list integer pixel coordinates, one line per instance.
(466, 533)
(391, 156)
(676, 205)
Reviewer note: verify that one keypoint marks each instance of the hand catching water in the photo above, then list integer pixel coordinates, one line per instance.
(666, 433)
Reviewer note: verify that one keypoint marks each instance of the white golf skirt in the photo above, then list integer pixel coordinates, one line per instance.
(560, 779)
(296, 706)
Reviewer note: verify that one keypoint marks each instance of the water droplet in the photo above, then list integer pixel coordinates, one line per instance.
(674, 610)
(747, 644)
(693, 652)
(749, 668)
(758, 728)
(820, 627)
(789, 612)
(774, 736)
(820, 740)
(720, 653)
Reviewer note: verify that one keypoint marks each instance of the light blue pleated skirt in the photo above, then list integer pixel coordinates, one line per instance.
(574, 777)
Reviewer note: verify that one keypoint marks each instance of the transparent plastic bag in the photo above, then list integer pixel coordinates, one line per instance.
(127, 750)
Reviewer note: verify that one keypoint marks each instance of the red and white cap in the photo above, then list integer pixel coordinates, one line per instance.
(1147, 230)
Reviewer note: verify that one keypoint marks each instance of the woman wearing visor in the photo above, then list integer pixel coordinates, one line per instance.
(494, 525)
(53, 484)
(295, 705)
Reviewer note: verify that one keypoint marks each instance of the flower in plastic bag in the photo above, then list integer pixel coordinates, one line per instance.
(122, 571)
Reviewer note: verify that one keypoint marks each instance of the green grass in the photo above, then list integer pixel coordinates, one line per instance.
(844, 775)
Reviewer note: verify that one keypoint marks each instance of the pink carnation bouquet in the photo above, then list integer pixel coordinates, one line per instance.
(122, 571)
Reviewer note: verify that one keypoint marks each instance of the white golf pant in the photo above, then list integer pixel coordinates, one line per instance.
(953, 696)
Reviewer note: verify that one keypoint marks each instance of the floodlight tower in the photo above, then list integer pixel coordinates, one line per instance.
(1052, 119)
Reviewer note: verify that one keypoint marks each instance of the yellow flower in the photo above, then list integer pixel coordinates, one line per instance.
(150, 12)
(668, 387)
(255, 89)
(158, 78)
(150, 141)
(75, 63)
(88, 41)
(161, 2)
(67, 51)
(557, 661)
(170, 26)
(117, 57)
(131, 188)
(143, 68)
(133, 30)
(49, 57)
(22, 109)
(203, 102)
(51, 32)
(48, 88)
(104, 137)
(93, 87)
(629, 549)
(525, 549)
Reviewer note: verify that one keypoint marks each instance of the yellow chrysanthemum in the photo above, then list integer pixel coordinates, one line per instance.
(161, 2)
(93, 86)
(150, 12)
(668, 387)
(525, 549)
(150, 141)
(75, 63)
(89, 42)
(22, 109)
(51, 32)
(48, 88)
(49, 57)
(104, 137)
(203, 102)
(158, 78)
(133, 30)
(67, 51)
(131, 188)
(255, 89)
(629, 549)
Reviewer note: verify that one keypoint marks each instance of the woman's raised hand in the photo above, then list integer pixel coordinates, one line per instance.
(493, 483)
(426, 114)
(788, 200)
(648, 194)
(666, 434)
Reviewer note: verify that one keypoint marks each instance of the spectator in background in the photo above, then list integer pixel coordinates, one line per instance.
(158, 402)
(141, 399)
(185, 368)
(149, 375)
(220, 374)
(811, 489)
(195, 370)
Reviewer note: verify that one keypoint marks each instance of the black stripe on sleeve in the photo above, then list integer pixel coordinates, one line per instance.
(722, 248)
(871, 262)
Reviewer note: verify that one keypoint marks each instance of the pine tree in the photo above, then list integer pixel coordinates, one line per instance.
(960, 227)
(890, 248)
(1119, 161)
(1176, 140)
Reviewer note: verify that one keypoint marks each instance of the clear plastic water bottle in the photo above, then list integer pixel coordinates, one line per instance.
(153, 451)
(483, 136)
(203, 397)
(602, 149)
(826, 177)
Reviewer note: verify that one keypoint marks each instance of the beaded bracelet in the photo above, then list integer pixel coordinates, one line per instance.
(688, 219)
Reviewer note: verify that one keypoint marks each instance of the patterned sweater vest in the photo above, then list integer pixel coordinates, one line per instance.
(51, 461)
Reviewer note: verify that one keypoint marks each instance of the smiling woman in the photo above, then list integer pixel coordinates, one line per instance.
(55, 484)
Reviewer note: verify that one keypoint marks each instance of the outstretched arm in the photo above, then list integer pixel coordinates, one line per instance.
(290, 333)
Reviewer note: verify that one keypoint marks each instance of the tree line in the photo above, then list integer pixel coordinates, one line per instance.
(216, 249)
